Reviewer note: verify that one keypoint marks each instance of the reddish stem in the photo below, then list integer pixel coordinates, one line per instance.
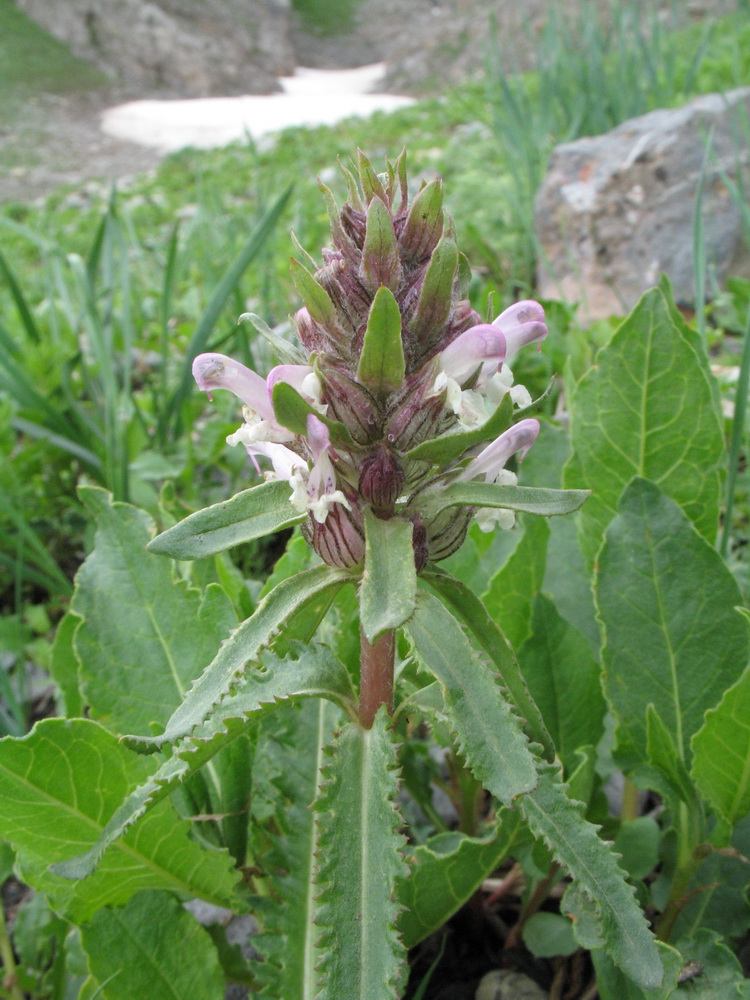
(376, 679)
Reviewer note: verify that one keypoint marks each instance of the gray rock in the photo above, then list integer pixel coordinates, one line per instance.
(616, 211)
(190, 48)
(501, 984)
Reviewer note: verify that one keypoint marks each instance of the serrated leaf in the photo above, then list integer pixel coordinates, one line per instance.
(313, 673)
(558, 820)
(381, 364)
(446, 871)
(666, 600)
(59, 786)
(486, 632)
(488, 732)
(153, 949)
(613, 985)
(531, 499)
(647, 409)
(721, 749)
(250, 514)
(361, 851)
(292, 749)
(275, 614)
(388, 591)
(445, 449)
(292, 411)
(143, 636)
(511, 591)
(564, 681)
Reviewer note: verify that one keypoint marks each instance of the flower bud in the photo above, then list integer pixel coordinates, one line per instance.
(381, 479)
(340, 539)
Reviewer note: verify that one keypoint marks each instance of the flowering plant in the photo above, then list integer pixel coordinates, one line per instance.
(266, 759)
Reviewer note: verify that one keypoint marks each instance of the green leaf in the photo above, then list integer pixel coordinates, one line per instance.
(309, 672)
(153, 949)
(447, 448)
(511, 591)
(666, 600)
(549, 934)
(564, 680)
(144, 636)
(381, 267)
(446, 871)
(250, 514)
(637, 843)
(292, 411)
(488, 732)
(530, 499)
(64, 667)
(613, 985)
(647, 409)
(361, 852)
(474, 614)
(284, 351)
(381, 364)
(721, 748)
(424, 224)
(433, 308)
(275, 614)
(558, 820)
(59, 786)
(665, 771)
(388, 591)
(316, 298)
(292, 751)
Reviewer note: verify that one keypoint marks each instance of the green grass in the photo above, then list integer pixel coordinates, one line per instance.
(33, 63)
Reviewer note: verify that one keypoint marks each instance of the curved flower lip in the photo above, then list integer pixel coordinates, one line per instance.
(483, 345)
(217, 371)
(490, 462)
(297, 376)
(522, 323)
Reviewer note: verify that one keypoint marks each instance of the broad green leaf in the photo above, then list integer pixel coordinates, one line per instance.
(445, 449)
(64, 667)
(511, 591)
(312, 673)
(292, 411)
(564, 681)
(247, 515)
(488, 732)
(721, 749)
(274, 615)
(720, 976)
(153, 949)
(381, 363)
(388, 590)
(361, 859)
(647, 409)
(637, 843)
(666, 601)
(613, 985)
(292, 751)
(576, 844)
(475, 616)
(530, 499)
(549, 934)
(446, 871)
(144, 636)
(59, 786)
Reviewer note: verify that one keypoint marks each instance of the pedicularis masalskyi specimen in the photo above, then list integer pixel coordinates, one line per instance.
(395, 361)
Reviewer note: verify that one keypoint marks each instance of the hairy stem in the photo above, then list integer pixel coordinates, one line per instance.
(376, 679)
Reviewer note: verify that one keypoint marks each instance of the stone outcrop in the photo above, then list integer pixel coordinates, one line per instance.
(617, 211)
(186, 48)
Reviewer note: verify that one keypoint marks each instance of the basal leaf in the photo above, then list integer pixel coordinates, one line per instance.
(275, 614)
(489, 734)
(511, 591)
(313, 672)
(59, 786)
(153, 949)
(666, 600)
(486, 633)
(575, 842)
(389, 582)
(247, 515)
(647, 409)
(531, 499)
(721, 749)
(564, 680)
(446, 871)
(361, 852)
(143, 636)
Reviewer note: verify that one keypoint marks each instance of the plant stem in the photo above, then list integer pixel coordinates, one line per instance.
(688, 860)
(629, 809)
(376, 678)
(9, 979)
